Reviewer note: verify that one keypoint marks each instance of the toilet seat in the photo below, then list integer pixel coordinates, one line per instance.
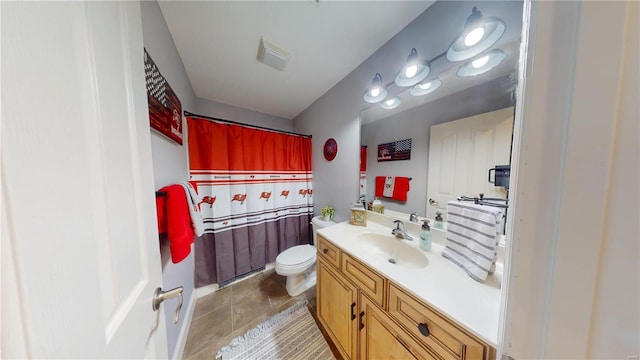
(295, 259)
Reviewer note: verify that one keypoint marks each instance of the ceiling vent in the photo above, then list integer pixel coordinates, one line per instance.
(272, 55)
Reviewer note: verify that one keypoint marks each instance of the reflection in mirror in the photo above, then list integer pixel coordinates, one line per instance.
(456, 100)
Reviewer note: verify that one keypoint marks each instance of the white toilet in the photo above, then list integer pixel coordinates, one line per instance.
(298, 263)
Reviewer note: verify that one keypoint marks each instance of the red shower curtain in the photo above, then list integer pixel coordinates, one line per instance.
(257, 196)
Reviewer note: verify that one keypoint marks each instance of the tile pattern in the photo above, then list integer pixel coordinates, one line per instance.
(236, 308)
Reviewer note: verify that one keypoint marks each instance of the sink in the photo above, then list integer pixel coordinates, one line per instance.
(393, 250)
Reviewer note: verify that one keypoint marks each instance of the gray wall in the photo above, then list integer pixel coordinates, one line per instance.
(229, 112)
(170, 163)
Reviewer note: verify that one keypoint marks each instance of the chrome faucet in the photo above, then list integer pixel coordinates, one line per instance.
(413, 217)
(399, 231)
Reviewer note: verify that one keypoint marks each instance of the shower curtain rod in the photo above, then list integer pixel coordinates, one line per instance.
(187, 113)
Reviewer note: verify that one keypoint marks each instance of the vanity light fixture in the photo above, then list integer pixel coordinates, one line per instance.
(479, 34)
(482, 64)
(391, 103)
(376, 92)
(414, 71)
(426, 87)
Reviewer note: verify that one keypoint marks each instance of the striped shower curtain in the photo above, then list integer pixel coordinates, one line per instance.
(256, 196)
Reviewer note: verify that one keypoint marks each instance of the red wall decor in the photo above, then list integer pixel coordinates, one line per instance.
(330, 149)
(165, 110)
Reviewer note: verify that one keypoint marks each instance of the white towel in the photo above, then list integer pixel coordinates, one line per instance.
(193, 200)
(473, 233)
(389, 183)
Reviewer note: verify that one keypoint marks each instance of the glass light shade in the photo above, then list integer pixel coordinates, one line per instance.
(392, 103)
(376, 92)
(425, 88)
(480, 34)
(474, 68)
(414, 71)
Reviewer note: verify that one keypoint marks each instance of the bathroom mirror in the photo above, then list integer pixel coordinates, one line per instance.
(455, 98)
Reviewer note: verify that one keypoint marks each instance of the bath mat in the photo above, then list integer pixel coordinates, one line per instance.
(290, 334)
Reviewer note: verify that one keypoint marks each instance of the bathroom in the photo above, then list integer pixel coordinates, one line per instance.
(541, 308)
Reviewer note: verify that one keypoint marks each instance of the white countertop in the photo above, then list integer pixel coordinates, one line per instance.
(441, 284)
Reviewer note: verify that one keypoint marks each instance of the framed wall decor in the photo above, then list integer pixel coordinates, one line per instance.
(330, 149)
(397, 150)
(165, 110)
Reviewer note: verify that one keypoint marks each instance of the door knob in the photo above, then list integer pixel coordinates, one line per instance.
(160, 296)
(433, 202)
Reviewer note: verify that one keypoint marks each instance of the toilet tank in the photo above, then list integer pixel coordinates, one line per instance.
(319, 223)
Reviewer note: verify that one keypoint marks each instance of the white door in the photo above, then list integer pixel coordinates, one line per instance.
(80, 258)
(461, 152)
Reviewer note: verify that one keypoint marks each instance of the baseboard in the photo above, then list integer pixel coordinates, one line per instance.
(186, 324)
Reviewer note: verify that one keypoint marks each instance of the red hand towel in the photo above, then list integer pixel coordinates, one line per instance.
(178, 222)
(379, 185)
(400, 187)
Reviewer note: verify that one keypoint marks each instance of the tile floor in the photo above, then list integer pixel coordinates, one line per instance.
(236, 308)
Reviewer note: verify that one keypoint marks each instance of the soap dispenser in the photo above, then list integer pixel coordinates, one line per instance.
(425, 236)
(438, 223)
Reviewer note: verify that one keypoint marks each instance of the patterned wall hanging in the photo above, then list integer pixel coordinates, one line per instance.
(397, 150)
(165, 110)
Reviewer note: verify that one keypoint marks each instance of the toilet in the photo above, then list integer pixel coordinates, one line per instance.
(298, 263)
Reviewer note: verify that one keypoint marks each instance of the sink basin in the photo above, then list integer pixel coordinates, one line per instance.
(393, 250)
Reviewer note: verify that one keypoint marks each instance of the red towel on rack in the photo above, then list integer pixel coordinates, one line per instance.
(174, 219)
(399, 186)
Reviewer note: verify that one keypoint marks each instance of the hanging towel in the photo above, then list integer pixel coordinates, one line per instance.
(473, 233)
(173, 212)
(193, 200)
(394, 187)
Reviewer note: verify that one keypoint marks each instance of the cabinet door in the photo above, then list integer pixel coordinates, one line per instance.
(336, 302)
(381, 338)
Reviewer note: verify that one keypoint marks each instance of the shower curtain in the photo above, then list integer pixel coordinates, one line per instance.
(257, 198)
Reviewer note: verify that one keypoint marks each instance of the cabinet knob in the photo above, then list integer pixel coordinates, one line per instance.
(325, 250)
(424, 330)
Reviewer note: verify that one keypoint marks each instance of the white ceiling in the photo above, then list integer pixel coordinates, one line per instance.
(218, 43)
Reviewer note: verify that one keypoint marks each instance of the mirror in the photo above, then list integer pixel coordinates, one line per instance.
(456, 98)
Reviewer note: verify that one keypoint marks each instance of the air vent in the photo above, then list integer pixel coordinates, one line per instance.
(272, 55)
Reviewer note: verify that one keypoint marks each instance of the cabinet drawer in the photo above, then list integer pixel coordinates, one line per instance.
(367, 280)
(444, 338)
(328, 251)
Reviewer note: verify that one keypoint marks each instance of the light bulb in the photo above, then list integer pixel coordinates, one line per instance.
(390, 102)
(425, 86)
(375, 91)
(411, 71)
(478, 63)
(474, 36)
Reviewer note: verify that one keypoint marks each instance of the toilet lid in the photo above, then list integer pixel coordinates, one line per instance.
(297, 255)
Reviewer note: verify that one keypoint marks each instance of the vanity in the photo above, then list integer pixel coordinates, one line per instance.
(379, 297)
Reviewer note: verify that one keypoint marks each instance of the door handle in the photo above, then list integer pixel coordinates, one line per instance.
(361, 326)
(160, 296)
(353, 315)
(433, 202)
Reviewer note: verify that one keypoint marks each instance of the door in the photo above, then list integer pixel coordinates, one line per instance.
(78, 214)
(381, 338)
(337, 308)
(461, 152)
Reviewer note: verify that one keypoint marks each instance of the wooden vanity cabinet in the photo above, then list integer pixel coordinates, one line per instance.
(336, 302)
(382, 338)
(369, 317)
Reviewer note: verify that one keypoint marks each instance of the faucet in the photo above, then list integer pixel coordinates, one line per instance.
(399, 231)
(413, 217)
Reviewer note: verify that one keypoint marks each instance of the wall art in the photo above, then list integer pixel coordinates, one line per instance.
(397, 150)
(165, 110)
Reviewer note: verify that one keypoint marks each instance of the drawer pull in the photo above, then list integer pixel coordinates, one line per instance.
(353, 315)
(360, 320)
(424, 330)
(325, 250)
